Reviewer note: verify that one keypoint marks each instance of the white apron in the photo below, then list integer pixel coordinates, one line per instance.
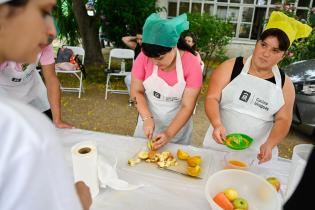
(164, 102)
(248, 105)
(26, 86)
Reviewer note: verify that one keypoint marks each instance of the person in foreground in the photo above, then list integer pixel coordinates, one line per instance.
(33, 172)
(166, 80)
(27, 85)
(253, 96)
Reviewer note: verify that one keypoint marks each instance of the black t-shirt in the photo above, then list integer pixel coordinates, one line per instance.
(238, 66)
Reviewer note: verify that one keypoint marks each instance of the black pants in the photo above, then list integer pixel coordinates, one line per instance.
(48, 113)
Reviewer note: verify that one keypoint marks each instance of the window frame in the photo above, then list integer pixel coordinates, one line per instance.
(241, 7)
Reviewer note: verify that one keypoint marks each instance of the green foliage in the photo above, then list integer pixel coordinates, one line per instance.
(67, 25)
(302, 49)
(124, 17)
(118, 18)
(212, 34)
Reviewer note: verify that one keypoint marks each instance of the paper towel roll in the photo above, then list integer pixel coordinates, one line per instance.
(84, 159)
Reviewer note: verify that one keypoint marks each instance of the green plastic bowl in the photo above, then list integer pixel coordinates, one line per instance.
(238, 141)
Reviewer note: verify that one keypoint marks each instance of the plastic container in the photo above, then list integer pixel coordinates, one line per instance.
(239, 160)
(300, 156)
(259, 194)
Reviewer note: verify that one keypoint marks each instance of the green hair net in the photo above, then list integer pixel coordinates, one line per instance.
(164, 32)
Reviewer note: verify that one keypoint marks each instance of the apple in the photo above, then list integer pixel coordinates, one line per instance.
(240, 203)
(274, 181)
(231, 194)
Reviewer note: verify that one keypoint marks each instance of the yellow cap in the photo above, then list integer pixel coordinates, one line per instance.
(293, 28)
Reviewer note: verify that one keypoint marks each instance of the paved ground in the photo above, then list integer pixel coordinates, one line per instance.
(93, 112)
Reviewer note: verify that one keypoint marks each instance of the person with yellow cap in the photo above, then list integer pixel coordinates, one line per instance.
(166, 80)
(253, 96)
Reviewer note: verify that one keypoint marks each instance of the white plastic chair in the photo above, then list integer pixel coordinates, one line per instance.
(121, 54)
(78, 73)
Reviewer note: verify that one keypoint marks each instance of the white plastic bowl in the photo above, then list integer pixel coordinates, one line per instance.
(259, 194)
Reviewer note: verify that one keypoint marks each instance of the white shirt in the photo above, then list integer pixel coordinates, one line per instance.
(33, 172)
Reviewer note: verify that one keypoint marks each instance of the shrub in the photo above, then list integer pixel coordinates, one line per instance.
(212, 35)
(302, 49)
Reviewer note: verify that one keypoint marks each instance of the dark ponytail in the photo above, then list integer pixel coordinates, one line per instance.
(182, 45)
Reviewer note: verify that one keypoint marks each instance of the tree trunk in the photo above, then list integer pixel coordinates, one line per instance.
(89, 34)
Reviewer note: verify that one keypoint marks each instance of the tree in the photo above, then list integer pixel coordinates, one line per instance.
(88, 28)
(125, 17)
(117, 17)
(75, 25)
(212, 34)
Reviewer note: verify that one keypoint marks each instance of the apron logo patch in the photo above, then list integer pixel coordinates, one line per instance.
(245, 96)
(262, 104)
(16, 79)
(156, 94)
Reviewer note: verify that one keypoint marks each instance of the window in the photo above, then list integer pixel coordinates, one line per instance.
(183, 7)
(222, 12)
(208, 8)
(233, 13)
(258, 22)
(276, 2)
(247, 16)
(304, 3)
(195, 7)
(172, 8)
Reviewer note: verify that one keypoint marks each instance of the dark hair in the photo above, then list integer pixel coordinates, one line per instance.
(14, 4)
(154, 51)
(193, 37)
(138, 31)
(283, 39)
(17, 3)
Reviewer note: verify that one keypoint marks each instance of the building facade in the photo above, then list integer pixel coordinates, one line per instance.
(247, 16)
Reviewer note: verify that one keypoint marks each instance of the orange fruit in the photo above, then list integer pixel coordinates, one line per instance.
(182, 155)
(194, 171)
(194, 161)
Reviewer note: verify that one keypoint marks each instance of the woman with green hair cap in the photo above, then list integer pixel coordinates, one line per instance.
(166, 80)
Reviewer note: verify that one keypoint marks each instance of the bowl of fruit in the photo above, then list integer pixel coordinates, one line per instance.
(240, 190)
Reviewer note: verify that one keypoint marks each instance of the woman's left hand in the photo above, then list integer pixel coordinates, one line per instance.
(161, 140)
(265, 153)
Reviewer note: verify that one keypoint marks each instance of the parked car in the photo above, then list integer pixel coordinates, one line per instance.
(302, 74)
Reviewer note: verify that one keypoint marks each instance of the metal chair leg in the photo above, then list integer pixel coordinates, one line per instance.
(81, 85)
(107, 83)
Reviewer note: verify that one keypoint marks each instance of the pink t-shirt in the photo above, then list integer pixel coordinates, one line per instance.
(143, 68)
(46, 57)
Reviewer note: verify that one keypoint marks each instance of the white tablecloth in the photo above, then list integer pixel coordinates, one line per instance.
(162, 190)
